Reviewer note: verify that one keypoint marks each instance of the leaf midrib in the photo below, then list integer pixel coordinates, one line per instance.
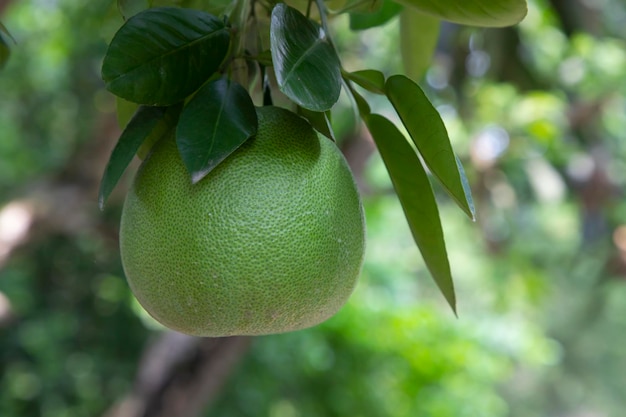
(156, 57)
(318, 42)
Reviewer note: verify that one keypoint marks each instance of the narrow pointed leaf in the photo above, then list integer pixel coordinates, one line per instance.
(466, 186)
(165, 126)
(418, 38)
(161, 55)
(148, 123)
(418, 201)
(306, 65)
(5, 49)
(487, 13)
(217, 121)
(387, 11)
(429, 134)
(319, 120)
(371, 80)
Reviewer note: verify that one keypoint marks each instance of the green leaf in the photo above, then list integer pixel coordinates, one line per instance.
(487, 13)
(161, 55)
(217, 121)
(418, 201)
(306, 65)
(429, 134)
(371, 80)
(466, 187)
(387, 11)
(418, 39)
(148, 124)
(319, 120)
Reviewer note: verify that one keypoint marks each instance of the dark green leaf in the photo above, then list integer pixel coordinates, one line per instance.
(418, 39)
(217, 121)
(148, 124)
(161, 55)
(418, 201)
(306, 65)
(5, 50)
(388, 10)
(319, 120)
(371, 80)
(429, 134)
(166, 125)
(488, 13)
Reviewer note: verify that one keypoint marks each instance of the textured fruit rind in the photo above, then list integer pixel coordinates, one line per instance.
(272, 240)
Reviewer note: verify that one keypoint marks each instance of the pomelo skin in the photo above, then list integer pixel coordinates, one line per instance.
(272, 240)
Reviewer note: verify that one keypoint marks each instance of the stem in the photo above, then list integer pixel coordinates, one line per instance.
(360, 106)
(322, 10)
(237, 70)
(238, 19)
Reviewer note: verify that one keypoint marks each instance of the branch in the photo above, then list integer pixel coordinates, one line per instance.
(180, 376)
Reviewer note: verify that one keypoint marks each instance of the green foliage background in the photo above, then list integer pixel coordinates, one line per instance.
(542, 298)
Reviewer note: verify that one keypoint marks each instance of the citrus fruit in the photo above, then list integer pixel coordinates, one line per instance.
(271, 240)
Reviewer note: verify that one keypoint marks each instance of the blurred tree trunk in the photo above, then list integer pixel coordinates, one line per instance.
(575, 16)
(180, 375)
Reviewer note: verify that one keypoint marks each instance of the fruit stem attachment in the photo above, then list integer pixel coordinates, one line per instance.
(238, 69)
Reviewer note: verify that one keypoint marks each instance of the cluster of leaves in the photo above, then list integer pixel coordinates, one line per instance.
(189, 72)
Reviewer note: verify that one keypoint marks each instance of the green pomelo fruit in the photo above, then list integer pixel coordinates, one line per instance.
(272, 240)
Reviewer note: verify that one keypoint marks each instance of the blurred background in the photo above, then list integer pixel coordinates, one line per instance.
(536, 112)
